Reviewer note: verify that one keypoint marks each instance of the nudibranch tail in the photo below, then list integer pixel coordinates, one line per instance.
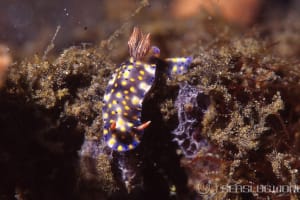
(143, 126)
(178, 66)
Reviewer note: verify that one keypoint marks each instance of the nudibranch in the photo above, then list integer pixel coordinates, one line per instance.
(127, 88)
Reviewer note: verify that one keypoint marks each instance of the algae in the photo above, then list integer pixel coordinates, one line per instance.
(51, 123)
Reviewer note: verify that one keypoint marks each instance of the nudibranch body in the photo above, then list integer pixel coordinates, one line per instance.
(123, 104)
(126, 90)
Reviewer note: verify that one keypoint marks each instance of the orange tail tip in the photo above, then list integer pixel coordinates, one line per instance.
(143, 126)
(113, 125)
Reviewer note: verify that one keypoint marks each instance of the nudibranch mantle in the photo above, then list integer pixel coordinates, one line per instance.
(123, 104)
(126, 90)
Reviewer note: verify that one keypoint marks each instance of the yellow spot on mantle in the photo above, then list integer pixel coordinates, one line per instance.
(124, 83)
(119, 110)
(105, 116)
(111, 142)
(105, 131)
(144, 86)
(174, 69)
(142, 72)
(120, 122)
(126, 74)
(127, 108)
(135, 100)
(118, 95)
(120, 148)
(129, 67)
(123, 129)
(132, 89)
